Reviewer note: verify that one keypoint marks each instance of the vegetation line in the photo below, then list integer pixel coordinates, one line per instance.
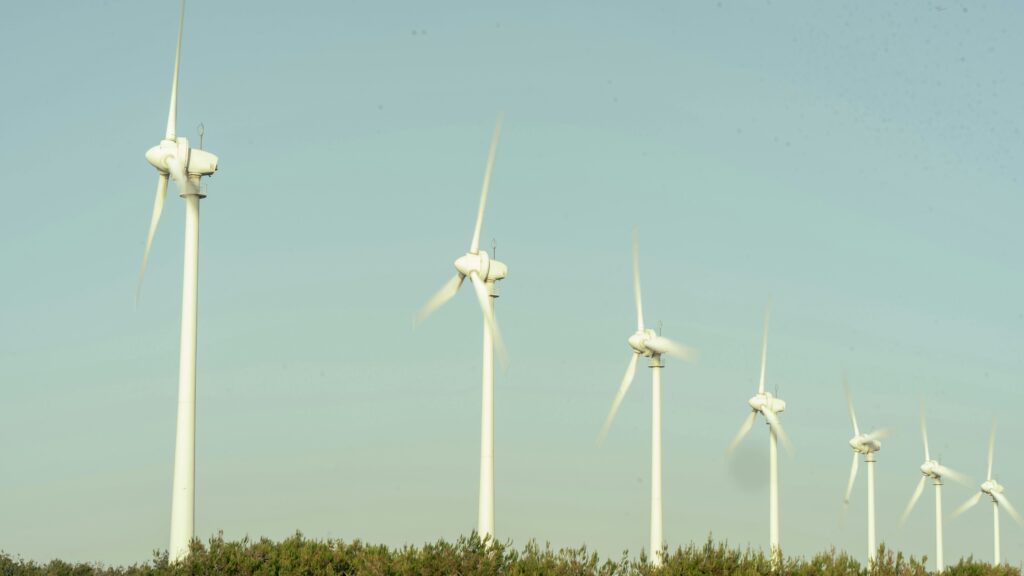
(469, 556)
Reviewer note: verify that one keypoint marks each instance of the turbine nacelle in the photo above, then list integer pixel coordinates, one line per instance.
(865, 444)
(194, 162)
(991, 487)
(766, 402)
(639, 342)
(202, 163)
(931, 469)
(488, 270)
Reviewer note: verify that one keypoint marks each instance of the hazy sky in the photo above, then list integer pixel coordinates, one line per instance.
(858, 163)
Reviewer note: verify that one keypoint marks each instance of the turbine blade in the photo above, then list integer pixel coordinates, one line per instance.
(173, 113)
(485, 306)
(636, 283)
(180, 177)
(849, 404)
(776, 426)
(913, 500)
(663, 345)
(443, 295)
(764, 348)
(924, 434)
(991, 449)
(627, 379)
(158, 208)
(853, 476)
(748, 423)
(879, 434)
(1005, 503)
(475, 246)
(946, 472)
(967, 505)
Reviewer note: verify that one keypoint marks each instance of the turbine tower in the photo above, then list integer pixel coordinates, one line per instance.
(173, 158)
(932, 470)
(769, 406)
(994, 490)
(483, 272)
(866, 444)
(645, 342)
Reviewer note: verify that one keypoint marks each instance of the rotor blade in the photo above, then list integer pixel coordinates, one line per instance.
(173, 113)
(627, 379)
(475, 246)
(443, 295)
(748, 423)
(177, 171)
(924, 434)
(663, 345)
(764, 348)
(853, 476)
(968, 504)
(1005, 502)
(913, 500)
(158, 208)
(776, 426)
(879, 434)
(991, 449)
(945, 472)
(849, 404)
(485, 305)
(636, 283)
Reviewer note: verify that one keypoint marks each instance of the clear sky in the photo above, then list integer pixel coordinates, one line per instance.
(858, 163)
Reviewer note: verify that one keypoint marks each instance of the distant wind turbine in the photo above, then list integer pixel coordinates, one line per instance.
(646, 342)
(173, 158)
(866, 444)
(994, 490)
(769, 406)
(932, 470)
(483, 272)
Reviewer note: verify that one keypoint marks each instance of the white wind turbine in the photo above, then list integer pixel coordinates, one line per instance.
(173, 157)
(769, 406)
(866, 444)
(994, 490)
(483, 272)
(932, 470)
(645, 342)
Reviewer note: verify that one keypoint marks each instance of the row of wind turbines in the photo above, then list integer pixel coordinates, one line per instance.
(174, 158)
(866, 444)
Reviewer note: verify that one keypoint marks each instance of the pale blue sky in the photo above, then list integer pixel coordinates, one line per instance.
(860, 163)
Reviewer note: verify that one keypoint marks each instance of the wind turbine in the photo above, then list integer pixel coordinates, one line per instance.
(173, 158)
(769, 406)
(934, 471)
(646, 342)
(994, 490)
(483, 272)
(866, 444)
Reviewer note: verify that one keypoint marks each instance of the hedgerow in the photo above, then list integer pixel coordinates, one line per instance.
(469, 556)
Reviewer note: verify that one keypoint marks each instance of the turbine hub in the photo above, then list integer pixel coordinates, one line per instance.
(157, 155)
(196, 162)
(766, 402)
(929, 469)
(757, 402)
(865, 445)
(488, 270)
(638, 342)
(991, 487)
